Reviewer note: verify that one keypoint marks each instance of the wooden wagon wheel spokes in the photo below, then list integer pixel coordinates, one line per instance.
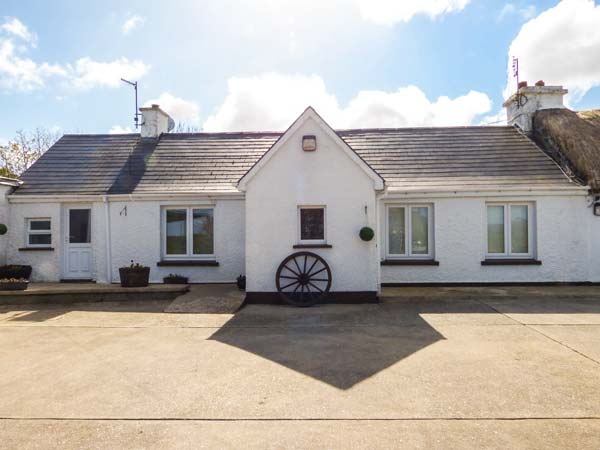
(303, 279)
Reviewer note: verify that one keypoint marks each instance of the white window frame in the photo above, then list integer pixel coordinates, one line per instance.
(29, 231)
(299, 226)
(508, 254)
(408, 234)
(189, 255)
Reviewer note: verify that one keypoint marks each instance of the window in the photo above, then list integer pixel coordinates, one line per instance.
(39, 233)
(409, 231)
(188, 232)
(312, 224)
(509, 230)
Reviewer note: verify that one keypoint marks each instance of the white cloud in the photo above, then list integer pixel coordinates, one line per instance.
(560, 46)
(15, 27)
(182, 111)
(118, 129)
(19, 72)
(390, 12)
(88, 73)
(132, 23)
(273, 101)
(510, 9)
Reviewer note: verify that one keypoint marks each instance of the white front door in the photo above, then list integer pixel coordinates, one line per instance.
(78, 261)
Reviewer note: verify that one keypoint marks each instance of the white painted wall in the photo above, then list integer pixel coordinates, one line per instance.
(563, 243)
(4, 190)
(46, 264)
(137, 236)
(327, 177)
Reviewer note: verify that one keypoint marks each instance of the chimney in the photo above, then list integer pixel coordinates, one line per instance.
(521, 106)
(155, 122)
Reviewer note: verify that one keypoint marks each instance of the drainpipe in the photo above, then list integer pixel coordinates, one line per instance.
(108, 244)
(378, 241)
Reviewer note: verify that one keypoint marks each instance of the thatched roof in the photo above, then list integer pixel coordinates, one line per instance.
(592, 116)
(573, 140)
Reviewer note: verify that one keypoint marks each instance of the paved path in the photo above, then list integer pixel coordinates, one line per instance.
(478, 373)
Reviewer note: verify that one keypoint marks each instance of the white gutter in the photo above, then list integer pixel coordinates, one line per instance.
(108, 243)
(25, 198)
(485, 192)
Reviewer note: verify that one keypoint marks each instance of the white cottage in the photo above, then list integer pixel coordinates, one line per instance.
(454, 205)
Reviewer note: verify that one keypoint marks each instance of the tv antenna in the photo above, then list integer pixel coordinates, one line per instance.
(515, 67)
(136, 116)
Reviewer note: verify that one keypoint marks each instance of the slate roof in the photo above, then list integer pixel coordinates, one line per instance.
(412, 159)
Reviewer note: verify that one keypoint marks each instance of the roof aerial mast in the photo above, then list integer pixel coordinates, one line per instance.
(136, 116)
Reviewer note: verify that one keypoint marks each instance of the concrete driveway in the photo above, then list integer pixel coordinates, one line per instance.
(485, 371)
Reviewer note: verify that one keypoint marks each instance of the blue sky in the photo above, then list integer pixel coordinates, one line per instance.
(228, 64)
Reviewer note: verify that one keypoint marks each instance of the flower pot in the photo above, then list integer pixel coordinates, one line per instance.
(241, 282)
(134, 277)
(175, 280)
(14, 286)
(15, 271)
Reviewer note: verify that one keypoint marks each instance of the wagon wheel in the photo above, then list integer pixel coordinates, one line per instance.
(303, 279)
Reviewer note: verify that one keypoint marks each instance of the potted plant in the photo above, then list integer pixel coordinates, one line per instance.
(366, 233)
(134, 275)
(175, 279)
(241, 282)
(13, 284)
(15, 271)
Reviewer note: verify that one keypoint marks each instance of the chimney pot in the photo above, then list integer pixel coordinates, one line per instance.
(540, 83)
(522, 84)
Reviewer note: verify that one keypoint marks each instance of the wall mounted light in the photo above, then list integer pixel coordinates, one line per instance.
(309, 143)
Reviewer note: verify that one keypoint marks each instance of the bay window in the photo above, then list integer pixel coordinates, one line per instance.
(188, 232)
(409, 231)
(509, 230)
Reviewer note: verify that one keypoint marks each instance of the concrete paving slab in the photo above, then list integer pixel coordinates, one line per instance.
(407, 435)
(208, 299)
(105, 314)
(582, 338)
(549, 310)
(397, 371)
(435, 374)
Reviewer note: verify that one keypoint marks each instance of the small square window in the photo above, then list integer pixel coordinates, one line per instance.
(312, 224)
(39, 233)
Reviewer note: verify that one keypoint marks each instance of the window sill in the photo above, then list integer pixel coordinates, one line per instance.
(410, 262)
(313, 246)
(511, 262)
(187, 262)
(36, 249)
